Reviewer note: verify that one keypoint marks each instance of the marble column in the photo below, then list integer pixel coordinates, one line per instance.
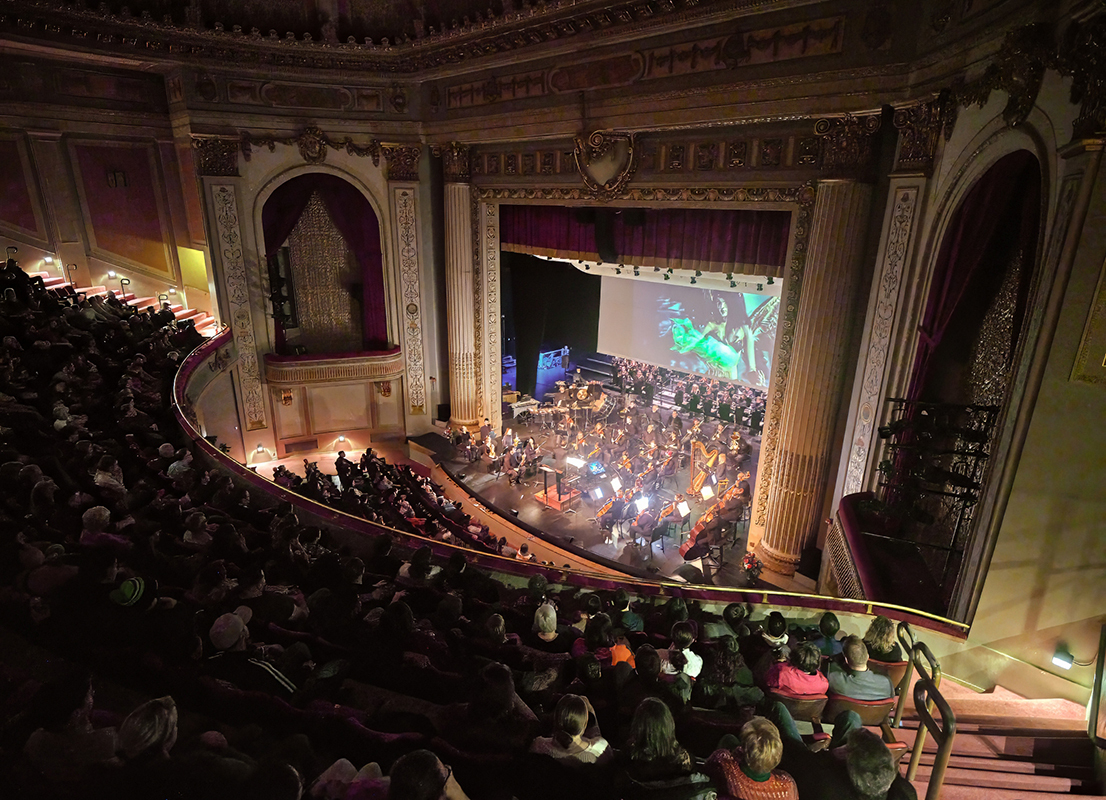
(810, 406)
(460, 306)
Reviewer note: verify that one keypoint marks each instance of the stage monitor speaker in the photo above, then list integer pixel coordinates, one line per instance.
(443, 412)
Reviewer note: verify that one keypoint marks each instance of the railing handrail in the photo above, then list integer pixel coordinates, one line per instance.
(709, 594)
(927, 694)
(907, 641)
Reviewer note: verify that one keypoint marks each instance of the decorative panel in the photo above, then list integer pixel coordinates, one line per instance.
(284, 371)
(122, 204)
(324, 273)
(291, 418)
(229, 247)
(405, 206)
(337, 408)
(16, 206)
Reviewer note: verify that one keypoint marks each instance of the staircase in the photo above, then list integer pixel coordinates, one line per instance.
(1009, 748)
(206, 324)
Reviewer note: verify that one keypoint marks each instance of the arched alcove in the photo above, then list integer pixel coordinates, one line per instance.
(337, 286)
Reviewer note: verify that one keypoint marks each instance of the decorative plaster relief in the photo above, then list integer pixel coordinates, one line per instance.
(357, 368)
(870, 402)
(225, 203)
(406, 208)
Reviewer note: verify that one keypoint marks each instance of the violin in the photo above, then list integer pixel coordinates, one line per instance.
(607, 506)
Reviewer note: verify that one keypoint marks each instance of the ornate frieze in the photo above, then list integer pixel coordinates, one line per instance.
(847, 143)
(228, 229)
(919, 126)
(216, 157)
(455, 161)
(313, 145)
(404, 202)
(334, 370)
(403, 161)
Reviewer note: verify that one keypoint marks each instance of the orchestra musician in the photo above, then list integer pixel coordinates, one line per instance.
(508, 440)
(643, 525)
(611, 511)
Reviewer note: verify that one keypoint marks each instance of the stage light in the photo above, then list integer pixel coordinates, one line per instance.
(733, 284)
(707, 492)
(616, 484)
(666, 276)
(587, 266)
(636, 273)
(771, 280)
(1062, 658)
(617, 271)
(683, 508)
(670, 270)
(693, 281)
(698, 274)
(111, 273)
(642, 504)
(760, 287)
(656, 269)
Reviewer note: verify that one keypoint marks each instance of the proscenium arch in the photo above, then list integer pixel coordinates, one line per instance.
(981, 153)
(391, 282)
(797, 199)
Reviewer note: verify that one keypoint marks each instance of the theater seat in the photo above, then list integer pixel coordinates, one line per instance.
(871, 713)
(895, 670)
(805, 707)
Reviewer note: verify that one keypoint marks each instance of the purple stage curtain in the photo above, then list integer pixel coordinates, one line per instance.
(355, 220)
(1010, 187)
(742, 241)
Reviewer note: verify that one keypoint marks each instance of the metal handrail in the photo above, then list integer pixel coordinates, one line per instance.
(927, 694)
(907, 642)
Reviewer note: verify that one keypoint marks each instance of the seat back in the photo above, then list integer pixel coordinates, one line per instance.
(895, 670)
(871, 712)
(805, 707)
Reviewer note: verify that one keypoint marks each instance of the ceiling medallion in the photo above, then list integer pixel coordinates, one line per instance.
(607, 162)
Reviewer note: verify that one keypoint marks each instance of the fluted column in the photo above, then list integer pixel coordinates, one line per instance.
(810, 406)
(460, 308)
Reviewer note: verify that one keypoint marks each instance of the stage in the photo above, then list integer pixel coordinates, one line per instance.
(576, 524)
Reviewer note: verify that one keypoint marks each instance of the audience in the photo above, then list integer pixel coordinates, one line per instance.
(749, 772)
(880, 640)
(851, 677)
(273, 648)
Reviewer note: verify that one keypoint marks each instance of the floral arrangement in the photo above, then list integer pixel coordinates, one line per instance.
(752, 566)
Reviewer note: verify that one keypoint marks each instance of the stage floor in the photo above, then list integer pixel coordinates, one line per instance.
(579, 527)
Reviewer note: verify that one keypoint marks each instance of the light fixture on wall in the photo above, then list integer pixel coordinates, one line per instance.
(49, 259)
(260, 448)
(1065, 660)
(342, 438)
(172, 290)
(111, 274)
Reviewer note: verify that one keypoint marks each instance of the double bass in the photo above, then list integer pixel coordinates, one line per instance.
(709, 516)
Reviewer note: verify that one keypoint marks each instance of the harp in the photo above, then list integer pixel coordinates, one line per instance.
(702, 462)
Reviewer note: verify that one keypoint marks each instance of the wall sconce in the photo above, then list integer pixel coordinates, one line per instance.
(172, 290)
(49, 259)
(111, 274)
(286, 397)
(342, 438)
(261, 448)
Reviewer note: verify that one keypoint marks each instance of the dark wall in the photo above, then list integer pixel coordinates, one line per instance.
(553, 304)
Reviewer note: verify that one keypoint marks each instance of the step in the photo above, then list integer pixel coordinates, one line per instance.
(142, 302)
(958, 792)
(998, 779)
(187, 313)
(998, 764)
(55, 282)
(1053, 747)
(92, 291)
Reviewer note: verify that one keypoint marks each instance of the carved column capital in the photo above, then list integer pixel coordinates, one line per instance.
(455, 161)
(847, 144)
(216, 157)
(403, 161)
(919, 126)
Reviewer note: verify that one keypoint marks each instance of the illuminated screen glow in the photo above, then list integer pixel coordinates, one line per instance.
(728, 335)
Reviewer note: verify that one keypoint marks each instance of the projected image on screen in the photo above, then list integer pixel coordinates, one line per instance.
(725, 335)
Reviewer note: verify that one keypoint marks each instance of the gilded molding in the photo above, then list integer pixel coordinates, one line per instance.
(598, 145)
(403, 161)
(238, 297)
(215, 157)
(879, 343)
(334, 370)
(406, 215)
(919, 126)
(313, 145)
(484, 402)
(847, 143)
(455, 161)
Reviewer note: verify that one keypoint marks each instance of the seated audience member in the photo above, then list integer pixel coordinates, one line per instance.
(732, 624)
(763, 646)
(880, 640)
(67, 744)
(421, 776)
(856, 766)
(237, 663)
(852, 678)
(800, 673)
(623, 616)
(418, 571)
(725, 682)
(827, 640)
(546, 635)
(598, 639)
(749, 772)
(576, 740)
(495, 721)
(652, 752)
(679, 659)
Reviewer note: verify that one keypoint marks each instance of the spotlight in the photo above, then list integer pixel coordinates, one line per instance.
(733, 284)
(666, 276)
(771, 280)
(670, 270)
(656, 269)
(760, 287)
(618, 271)
(698, 274)
(636, 273)
(693, 281)
(587, 266)
(729, 276)
(1062, 658)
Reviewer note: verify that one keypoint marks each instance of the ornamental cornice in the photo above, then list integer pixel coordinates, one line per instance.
(334, 370)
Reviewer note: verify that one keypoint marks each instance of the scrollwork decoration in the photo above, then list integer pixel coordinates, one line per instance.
(595, 147)
(313, 145)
